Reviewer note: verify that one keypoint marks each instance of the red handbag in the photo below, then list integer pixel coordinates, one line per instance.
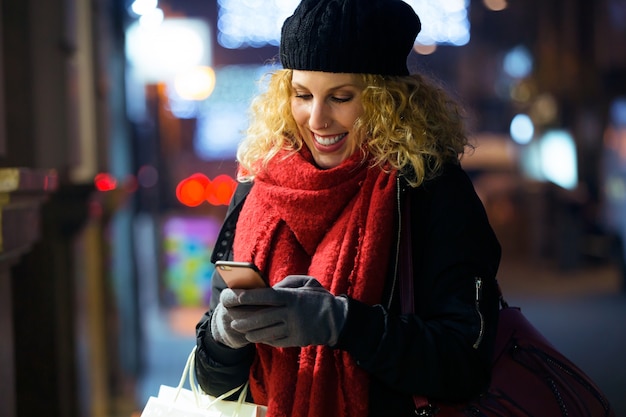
(529, 377)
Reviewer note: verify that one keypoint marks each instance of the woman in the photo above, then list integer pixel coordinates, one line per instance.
(341, 139)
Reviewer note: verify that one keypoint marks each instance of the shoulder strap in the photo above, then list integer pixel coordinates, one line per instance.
(225, 237)
(407, 290)
(414, 205)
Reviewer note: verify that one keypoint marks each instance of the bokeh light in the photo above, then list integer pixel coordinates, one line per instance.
(495, 5)
(443, 22)
(147, 176)
(191, 191)
(143, 7)
(220, 191)
(198, 188)
(518, 62)
(522, 129)
(105, 182)
(559, 160)
(158, 53)
(196, 83)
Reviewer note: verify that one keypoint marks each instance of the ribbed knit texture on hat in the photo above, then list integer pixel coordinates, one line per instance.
(354, 36)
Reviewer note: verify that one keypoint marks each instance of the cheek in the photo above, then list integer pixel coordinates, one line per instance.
(359, 111)
(355, 114)
(299, 113)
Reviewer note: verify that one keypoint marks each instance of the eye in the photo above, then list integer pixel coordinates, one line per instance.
(341, 99)
(302, 94)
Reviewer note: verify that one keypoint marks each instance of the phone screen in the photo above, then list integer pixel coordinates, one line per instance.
(242, 275)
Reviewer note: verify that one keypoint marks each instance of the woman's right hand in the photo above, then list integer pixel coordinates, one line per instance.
(221, 320)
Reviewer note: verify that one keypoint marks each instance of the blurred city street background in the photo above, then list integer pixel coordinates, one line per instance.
(119, 122)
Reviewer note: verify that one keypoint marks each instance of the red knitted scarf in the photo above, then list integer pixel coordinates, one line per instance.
(335, 225)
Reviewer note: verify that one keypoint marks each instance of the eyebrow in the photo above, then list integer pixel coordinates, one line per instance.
(298, 85)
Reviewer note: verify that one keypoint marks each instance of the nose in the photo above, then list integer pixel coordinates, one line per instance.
(319, 115)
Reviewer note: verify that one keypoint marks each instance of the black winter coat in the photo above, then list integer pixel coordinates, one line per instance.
(443, 351)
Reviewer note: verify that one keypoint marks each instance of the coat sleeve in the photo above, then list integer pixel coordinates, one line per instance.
(442, 351)
(220, 368)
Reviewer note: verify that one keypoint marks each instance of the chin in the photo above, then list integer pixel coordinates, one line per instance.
(327, 163)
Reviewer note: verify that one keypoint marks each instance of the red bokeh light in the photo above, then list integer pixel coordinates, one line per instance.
(220, 190)
(197, 188)
(105, 182)
(190, 191)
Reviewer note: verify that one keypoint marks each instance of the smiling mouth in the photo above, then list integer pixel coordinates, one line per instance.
(329, 140)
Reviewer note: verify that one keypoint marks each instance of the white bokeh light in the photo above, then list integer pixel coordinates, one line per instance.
(518, 62)
(158, 53)
(152, 19)
(558, 158)
(522, 129)
(552, 157)
(143, 7)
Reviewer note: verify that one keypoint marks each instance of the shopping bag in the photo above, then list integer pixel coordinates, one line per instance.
(182, 402)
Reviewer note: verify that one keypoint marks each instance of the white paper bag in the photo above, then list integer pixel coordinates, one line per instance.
(182, 402)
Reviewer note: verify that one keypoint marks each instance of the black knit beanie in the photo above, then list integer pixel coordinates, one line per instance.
(354, 36)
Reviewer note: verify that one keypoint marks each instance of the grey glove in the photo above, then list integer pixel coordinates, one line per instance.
(221, 320)
(298, 311)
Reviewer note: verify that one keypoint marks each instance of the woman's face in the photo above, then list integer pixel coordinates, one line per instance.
(325, 106)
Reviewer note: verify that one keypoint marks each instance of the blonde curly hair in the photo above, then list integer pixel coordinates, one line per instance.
(409, 123)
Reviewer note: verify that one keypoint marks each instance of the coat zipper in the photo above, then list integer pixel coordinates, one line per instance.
(397, 260)
(479, 283)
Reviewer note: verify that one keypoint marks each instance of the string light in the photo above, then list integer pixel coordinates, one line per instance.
(444, 22)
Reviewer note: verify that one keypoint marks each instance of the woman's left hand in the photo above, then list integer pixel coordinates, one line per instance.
(297, 311)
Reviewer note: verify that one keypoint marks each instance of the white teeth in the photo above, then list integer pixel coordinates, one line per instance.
(327, 141)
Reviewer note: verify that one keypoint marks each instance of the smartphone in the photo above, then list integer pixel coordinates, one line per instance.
(242, 275)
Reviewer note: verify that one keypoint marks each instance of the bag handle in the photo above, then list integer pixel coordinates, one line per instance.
(189, 373)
